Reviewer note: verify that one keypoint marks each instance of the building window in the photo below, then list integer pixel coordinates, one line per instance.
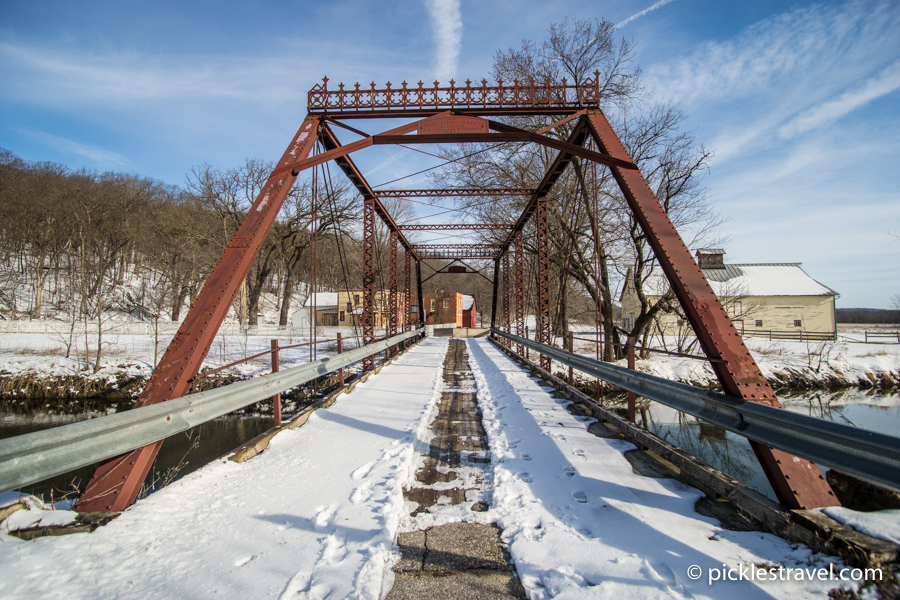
(446, 302)
(758, 323)
(356, 298)
(342, 316)
(349, 307)
(738, 308)
(798, 323)
(432, 305)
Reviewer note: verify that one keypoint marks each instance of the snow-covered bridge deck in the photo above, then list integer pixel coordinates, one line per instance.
(318, 513)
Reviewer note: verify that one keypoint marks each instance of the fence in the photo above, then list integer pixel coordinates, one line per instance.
(870, 456)
(800, 335)
(890, 336)
(168, 328)
(34, 457)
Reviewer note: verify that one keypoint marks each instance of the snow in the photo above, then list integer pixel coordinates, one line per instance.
(580, 523)
(881, 524)
(316, 515)
(774, 279)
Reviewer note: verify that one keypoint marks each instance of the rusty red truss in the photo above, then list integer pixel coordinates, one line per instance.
(455, 192)
(522, 97)
(454, 226)
(460, 114)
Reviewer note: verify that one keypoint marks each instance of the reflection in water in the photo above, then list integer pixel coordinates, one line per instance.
(180, 454)
(732, 454)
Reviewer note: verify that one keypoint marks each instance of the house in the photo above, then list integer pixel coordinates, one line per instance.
(760, 298)
(444, 308)
(469, 311)
(344, 309)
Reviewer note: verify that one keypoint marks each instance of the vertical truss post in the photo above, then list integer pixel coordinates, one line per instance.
(421, 298)
(368, 279)
(543, 248)
(117, 482)
(520, 289)
(494, 284)
(505, 281)
(407, 315)
(394, 308)
(797, 482)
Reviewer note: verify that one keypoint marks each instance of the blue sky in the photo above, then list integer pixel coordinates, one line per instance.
(800, 101)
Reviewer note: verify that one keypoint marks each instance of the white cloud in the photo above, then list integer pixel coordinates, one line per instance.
(885, 82)
(99, 156)
(642, 13)
(446, 25)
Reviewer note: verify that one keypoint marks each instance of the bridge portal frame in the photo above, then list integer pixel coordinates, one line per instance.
(460, 114)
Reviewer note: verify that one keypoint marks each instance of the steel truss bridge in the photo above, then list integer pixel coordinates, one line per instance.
(461, 115)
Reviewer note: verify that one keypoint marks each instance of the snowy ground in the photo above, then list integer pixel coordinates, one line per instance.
(315, 516)
(849, 359)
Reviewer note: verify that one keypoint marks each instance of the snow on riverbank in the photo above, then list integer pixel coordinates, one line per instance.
(581, 524)
(789, 364)
(314, 516)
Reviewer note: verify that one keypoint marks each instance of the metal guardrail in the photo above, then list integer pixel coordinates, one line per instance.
(34, 457)
(868, 455)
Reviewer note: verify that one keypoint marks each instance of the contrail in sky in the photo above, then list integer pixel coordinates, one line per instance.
(446, 25)
(642, 13)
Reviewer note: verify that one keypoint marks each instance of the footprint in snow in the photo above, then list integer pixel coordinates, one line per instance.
(525, 477)
(362, 471)
(526, 457)
(580, 497)
(242, 560)
(569, 471)
(325, 515)
(578, 452)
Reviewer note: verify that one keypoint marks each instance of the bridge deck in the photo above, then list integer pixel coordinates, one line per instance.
(317, 514)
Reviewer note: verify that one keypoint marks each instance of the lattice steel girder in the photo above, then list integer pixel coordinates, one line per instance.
(454, 227)
(116, 483)
(458, 255)
(394, 281)
(520, 98)
(463, 247)
(455, 192)
(798, 483)
(519, 245)
(368, 278)
(407, 314)
(419, 297)
(505, 282)
(543, 252)
(494, 293)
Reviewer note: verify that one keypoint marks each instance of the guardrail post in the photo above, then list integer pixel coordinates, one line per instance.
(340, 349)
(571, 349)
(277, 397)
(527, 354)
(631, 396)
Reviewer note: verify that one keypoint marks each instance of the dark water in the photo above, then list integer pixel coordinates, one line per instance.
(732, 454)
(179, 455)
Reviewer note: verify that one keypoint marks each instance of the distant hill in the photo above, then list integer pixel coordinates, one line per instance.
(867, 315)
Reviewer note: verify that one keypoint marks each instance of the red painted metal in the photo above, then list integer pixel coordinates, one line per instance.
(458, 254)
(117, 482)
(456, 269)
(543, 256)
(393, 300)
(632, 413)
(276, 399)
(340, 350)
(455, 192)
(407, 315)
(798, 483)
(494, 282)
(454, 227)
(531, 97)
(368, 278)
(505, 281)
(455, 246)
(420, 298)
(452, 124)
(520, 288)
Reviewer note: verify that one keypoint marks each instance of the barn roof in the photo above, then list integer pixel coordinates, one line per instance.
(467, 302)
(753, 279)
